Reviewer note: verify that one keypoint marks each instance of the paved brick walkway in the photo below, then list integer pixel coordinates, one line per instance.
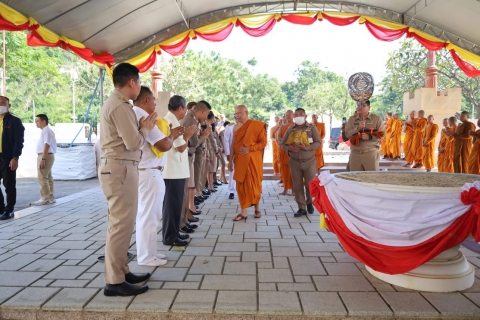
(274, 267)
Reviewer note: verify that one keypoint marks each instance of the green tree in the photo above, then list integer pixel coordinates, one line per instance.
(263, 95)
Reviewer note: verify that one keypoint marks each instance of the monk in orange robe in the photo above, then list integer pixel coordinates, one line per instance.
(442, 155)
(417, 146)
(388, 136)
(319, 152)
(408, 141)
(431, 132)
(273, 132)
(285, 173)
(395, 138)
(474, 159)
(462, 144)
(450, 147)
(383, 142)
(249, 142)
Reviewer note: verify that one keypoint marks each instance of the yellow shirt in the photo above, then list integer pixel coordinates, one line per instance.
(1, 134)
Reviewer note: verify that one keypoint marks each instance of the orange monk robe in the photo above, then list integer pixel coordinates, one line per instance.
(443, 156)
(462, 147)
(383, 142)
(285, 173)
(429, 151)
(276, 162)
(417, 145)
(388, 133)
(408, 142)
(450, 150)
(474, 159)
(319, 152)
(396, 140)
(249, 167)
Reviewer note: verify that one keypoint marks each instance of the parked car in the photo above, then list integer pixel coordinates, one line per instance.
(335, 135)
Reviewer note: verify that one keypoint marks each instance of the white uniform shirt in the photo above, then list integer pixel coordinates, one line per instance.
(177, 166)
(47, 136)
(228, 139)
(149, 159)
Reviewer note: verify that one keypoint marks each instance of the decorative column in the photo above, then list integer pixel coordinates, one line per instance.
(431, 71)
(157, 77)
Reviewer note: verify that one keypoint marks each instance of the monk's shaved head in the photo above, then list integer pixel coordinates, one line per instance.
(430, 118)
(241, 113)
(445, 122)
(289, 115)
(452, 121)
(395, 116)
(421, 113)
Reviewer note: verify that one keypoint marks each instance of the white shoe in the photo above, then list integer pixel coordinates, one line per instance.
(41, 202)
(155, 262)
(289, 192)
(160, 256)
(51, 200)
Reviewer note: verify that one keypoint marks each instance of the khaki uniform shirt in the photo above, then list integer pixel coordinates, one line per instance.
(195, 140)
(371, 122)
(313, 138)
(212, 148)
(121, 138)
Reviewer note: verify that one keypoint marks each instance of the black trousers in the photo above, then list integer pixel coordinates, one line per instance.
(172, 209)
(9, 179)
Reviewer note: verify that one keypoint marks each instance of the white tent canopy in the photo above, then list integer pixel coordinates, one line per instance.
(126, 28)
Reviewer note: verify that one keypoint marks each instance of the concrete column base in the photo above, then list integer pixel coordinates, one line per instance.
(449, 271)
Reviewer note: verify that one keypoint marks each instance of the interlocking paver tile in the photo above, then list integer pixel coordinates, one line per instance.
(409, 304)
(284, 243)
(43, 265)
(322, 304)
(207, 265)
(450, 304)
(342, 283)
(235, 247)
(365, 304)
(198, 251)
(342, 269)
(18, 261)
(278, 303)
(70, 299)
(256, 257)
(330, 247)
(153, 301)
(238, 268)
(169, 274)
(194, 301)
(19, 278)
(7, 292)
(66, 272)
(286, 252)
(308, 266)
(30, 298)
(229, 282)
(76, 254)
(275, 275)
(102, 303)
(236, 302)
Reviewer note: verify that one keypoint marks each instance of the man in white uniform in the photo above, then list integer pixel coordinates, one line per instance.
(227, 143)
(151, 187)
(46, 149)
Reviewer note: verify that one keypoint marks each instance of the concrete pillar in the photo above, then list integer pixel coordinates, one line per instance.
(431, 71)
(161, 98)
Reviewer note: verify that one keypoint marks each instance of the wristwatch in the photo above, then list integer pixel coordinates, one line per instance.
(43, 159)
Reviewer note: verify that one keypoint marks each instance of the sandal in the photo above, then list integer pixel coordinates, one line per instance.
(239, 217)
(257, 214)
(283, 193)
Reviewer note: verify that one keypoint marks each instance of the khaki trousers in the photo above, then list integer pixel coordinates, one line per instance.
(367, 161)
(183, 217)
(197, 168)
(302, 173)
(45, 176)
(203, 177)
(119, 182)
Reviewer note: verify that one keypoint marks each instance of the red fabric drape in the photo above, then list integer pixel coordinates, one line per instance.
(143, 67)
(177, 49)
(397, 260)
(299, 19)
(260, 31)
(469, 69)
(217, 36)
(430, 45)
(344, 21)
(385, 34)
(8, 26)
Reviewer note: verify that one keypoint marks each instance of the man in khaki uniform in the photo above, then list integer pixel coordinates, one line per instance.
(364, 157)
(213, 153)
(120, 141)
(300, 141)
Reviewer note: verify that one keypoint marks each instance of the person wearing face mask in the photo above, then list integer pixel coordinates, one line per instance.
(300, 141)
(11, 145)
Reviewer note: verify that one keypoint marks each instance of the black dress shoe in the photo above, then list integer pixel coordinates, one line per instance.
(300, 212)
(183, 236)
(196, 206)
(136, 278)
(231, 196)
(206, 193)
(213, 191)
(225, 182)
(196, 213)
(187, 230)
(310, 208)
(123, 289)
(177, 243)
(218, 184)
(6, 215)
(198, 201)
(192, 226)
(195, 219)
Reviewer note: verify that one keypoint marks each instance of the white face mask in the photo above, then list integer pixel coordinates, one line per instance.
(3, 109)
(299, 120)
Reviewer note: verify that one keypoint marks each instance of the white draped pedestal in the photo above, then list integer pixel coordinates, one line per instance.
(388, 217)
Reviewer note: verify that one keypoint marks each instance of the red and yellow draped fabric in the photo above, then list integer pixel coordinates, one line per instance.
(254, 25)
(421, 230)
